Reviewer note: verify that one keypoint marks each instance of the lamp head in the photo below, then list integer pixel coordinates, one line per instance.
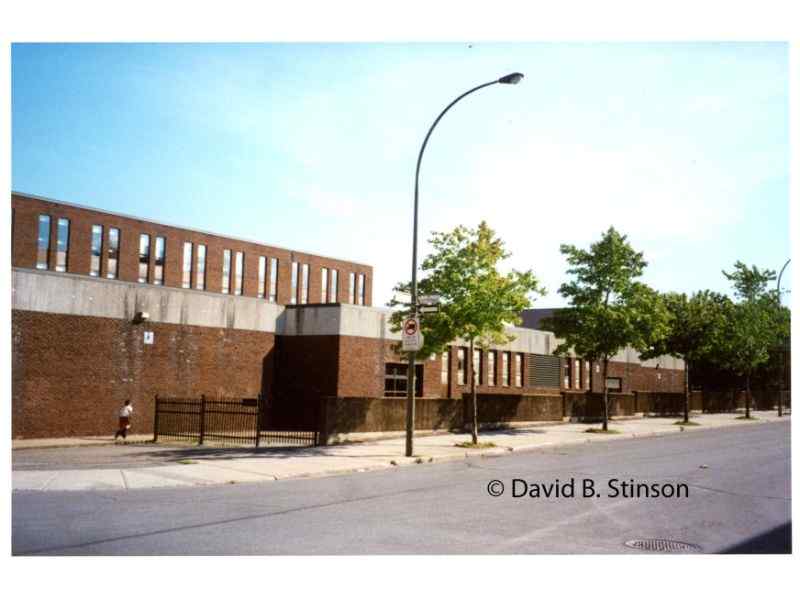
(511, 78)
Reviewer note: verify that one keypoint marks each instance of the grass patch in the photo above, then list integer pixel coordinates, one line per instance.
(600, 430)
(689, 424)
(186, 461)
(479, 445)
(746, 418)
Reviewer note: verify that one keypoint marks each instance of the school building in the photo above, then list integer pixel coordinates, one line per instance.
(108, 307)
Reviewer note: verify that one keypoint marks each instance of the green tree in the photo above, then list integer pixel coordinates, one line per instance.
(750, 283)
(608, 310)
(755, 324)
(477, 302)
(694, 332)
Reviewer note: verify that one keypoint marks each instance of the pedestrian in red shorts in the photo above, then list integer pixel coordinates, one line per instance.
(124, 420)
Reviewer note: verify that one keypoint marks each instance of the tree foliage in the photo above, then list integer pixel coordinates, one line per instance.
(754, 325)
(695, 329)
(477, 301)
(750, 283)
(608, 309)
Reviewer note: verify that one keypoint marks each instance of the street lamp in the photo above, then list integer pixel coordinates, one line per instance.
(783, 352)
(512, 78)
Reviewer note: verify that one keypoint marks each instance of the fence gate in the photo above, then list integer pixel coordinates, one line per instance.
(223, 421)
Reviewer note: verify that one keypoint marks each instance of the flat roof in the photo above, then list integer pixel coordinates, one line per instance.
(162, 223)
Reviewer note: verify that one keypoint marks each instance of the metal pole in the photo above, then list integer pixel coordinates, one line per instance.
(412, 356)
(202, 418)
(155, 422)
(783, 350)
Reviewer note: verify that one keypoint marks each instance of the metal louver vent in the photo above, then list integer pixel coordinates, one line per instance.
(544, 371)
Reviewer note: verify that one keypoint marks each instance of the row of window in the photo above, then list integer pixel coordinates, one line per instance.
(581, 377)
(492, 365)
(232, 278)
(396, 375)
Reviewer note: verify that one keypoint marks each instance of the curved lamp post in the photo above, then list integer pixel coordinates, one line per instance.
(512, 78)
(783, 354)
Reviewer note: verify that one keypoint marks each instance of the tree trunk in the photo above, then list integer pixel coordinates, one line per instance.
(474, 392)
(688, 393)
(747, 397)
(605, 393)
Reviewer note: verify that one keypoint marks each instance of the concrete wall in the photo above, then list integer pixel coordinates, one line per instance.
(64, 293)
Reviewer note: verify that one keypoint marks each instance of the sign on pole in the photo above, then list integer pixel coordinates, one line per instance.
(431, 300)
(412, 336)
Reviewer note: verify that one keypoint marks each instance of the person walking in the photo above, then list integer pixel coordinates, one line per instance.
(124, 420)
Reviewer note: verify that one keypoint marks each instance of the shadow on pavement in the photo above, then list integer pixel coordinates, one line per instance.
(774, 541)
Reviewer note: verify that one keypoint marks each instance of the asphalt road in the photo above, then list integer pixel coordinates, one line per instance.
(738, 482)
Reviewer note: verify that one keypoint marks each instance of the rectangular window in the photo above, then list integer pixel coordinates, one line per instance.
(333, 291)
(262, 276)
(239, 277)
(113, 253)
(568, 373)
(518, 370)
(186, 281)
(506, 369)
(462, 363)
(293, 296)
(304, 292)
(614, 384)
(200, 284)
(396, 380)
(588, 377)
(43, 242)
(491, 374)
(351, 289)
(323, 293)
(446, 366)
(362, 289)
(578, 374)
(158, 271)
(62, 244)
(97, 250)
(226, 271)
(144, 257)
(477, 361)
(273, 279)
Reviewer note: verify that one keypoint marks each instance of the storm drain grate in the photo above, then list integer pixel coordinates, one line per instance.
(657, 545)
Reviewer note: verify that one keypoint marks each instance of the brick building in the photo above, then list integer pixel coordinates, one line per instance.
(107, 307)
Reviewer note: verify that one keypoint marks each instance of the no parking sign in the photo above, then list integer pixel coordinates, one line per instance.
(412, 336)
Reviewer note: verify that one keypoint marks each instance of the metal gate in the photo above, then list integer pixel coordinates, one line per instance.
(223, 421)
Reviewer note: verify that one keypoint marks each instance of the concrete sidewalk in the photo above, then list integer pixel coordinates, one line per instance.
(215, 466)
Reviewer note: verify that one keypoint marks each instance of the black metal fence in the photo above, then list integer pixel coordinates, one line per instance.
(223, 421)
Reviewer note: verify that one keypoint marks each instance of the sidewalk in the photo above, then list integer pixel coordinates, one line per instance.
(192, 466)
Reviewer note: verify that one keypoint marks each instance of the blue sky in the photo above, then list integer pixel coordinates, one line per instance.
(684, 147)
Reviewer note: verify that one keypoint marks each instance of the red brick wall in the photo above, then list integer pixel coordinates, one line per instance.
(26, 211)
(71, 374)
(362, 368)
(636, 377)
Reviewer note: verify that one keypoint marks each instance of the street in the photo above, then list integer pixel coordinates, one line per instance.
(738, 482)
